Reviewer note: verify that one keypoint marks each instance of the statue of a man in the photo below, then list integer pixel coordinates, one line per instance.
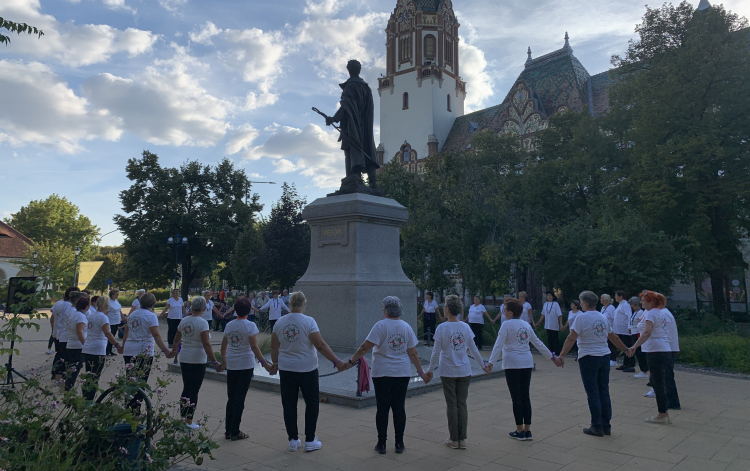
(356, 116)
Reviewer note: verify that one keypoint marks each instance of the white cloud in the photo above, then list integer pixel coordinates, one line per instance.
(40, 108)
(310, 151)
(258, 100)
(254, 53)
(112, 4)
(323, 7)
(71, 44)
(204, 35)
(172, 5)
(473, 69)
(164, 105)
(242, 139)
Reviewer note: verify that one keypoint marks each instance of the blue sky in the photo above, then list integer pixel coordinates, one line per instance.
(197, 79)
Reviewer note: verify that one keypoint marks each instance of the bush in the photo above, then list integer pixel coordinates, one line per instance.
(729, 352)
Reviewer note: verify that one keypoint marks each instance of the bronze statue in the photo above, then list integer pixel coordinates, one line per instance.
(356, 116)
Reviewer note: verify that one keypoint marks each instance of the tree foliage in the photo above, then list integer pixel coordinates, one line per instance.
(18, 28)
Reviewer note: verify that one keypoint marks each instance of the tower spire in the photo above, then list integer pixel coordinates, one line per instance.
(567, 43)
(528, 55)
(703, 5)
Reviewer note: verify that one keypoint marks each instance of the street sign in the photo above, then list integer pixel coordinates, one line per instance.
(109, 281)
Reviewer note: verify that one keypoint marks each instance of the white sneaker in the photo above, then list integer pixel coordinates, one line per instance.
(313, 445)
(612, 363)
(650, 393)
(192, 426)
(49, 352)
(294, 444)
(640, 375)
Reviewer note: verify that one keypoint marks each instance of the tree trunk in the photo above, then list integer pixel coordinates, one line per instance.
(721, 307)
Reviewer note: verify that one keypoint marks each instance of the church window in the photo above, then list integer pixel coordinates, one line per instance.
(407, 153)
(429, 47)
(449, 102)
(406, 101)
(448, 51)
(404, 49)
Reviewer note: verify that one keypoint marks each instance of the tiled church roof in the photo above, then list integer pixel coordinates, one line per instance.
(13, 244)
(428, 5)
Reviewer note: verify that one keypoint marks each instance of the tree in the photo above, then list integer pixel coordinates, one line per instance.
(116, 266)
(18, 28)
(682, 104)
(244, 263)
(203, 203)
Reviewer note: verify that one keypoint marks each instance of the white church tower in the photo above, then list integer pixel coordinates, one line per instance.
(421, 94)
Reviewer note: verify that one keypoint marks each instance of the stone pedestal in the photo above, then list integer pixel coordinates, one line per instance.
(354, 263)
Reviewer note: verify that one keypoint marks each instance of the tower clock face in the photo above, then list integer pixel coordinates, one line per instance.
(404, 17)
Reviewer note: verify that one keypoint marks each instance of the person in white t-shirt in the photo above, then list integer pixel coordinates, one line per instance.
(635, 325)
(295, 342)
(94, 351)
(451, 355)
(193, 333)
(429, 317)
(239, 349)
(621, 326)
(528, 313)
(59, 311)
(512, 342)
(673, 399)
(394, 345)
(275, 306)
(76, 325)
(211, 310)
(591, 331)
(608, 310)
(552, 318)
(501, 312)
(141, 334)
(477, 313)
(575, 309)
(136, 304)
(175, 311)
(114, 315)
(655, 343)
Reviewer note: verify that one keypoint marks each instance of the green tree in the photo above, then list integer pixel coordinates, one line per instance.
(682, 104)
(116, 267)
(17, 28)
(244, 265)
(203, 203)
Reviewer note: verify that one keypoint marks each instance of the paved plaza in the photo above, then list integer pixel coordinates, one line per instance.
(712, 432)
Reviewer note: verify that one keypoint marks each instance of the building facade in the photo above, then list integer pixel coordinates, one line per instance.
(14, 247)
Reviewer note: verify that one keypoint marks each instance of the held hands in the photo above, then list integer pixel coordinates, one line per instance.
(274, 369)
(630, 352)
(488, 368)
(269, 368)
(559, 362)
(120, 349)
(343, 365)
(426, 377)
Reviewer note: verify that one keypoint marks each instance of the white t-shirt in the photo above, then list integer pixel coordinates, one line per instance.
(453, 340)
(513, 342)
(136, 303)
(430, 307)
(208, 314)
(96, 341)
(572, 317)
(192, 350)
(525, 314)
(552, 312)
(392, 338)
(63, 317)
(274, 308)
(92, 309)
(592, 329)
(239, 354)
(296, 351)
(476, 315)
(77, 317)
(659, 339)
(114, 312)
(609, 313)
(140, 341)
(635, 319)
(622, 318)
(175, 308)
(672, 335)
(57, 308)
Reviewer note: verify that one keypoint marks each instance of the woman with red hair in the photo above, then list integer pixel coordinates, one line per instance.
(654, 342)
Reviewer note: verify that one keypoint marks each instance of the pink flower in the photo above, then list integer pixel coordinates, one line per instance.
(148, 457)
(124, 451)
(54, 404)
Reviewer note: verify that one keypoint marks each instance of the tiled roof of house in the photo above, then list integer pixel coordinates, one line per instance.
(13, 244)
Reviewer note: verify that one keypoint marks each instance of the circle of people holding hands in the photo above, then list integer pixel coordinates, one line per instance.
(84, 333)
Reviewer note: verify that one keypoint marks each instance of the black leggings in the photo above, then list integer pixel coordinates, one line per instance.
(142, 370)
(477, 328)
(390, 394)
(50, 342)
(74, 364)
(519, 383)
(553, 341)
(659, 363)
(113, 329)
(238, 382)
(172, 325)
(627, 362)
(429, 328)
(94, 367)
(58, 364)
(192, 380)
(291, 382)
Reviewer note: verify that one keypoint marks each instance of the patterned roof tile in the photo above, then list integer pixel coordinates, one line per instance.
(13, 244)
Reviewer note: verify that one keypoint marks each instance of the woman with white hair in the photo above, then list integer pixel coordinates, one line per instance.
(196, 349)
(141, 334)
(136, 304)
(294, 342)
(393, 344)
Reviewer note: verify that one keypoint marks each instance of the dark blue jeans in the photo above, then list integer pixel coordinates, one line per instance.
(595, 376)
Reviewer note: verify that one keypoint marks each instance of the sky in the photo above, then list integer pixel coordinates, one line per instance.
(206, 80)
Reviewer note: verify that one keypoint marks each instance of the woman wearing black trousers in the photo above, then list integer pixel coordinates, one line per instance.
(196, 350)
(552, 318)
(175, 311)
(95, 349)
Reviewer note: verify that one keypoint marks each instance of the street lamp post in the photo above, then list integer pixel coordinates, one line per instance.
(247, 188)
(33, 265)
(177, 241)
(75, 272)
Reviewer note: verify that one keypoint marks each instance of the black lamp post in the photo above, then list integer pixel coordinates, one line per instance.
(177, 241)
(75, 273)
(33, 265)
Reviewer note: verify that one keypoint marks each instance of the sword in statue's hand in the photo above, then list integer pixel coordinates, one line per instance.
(327, 118)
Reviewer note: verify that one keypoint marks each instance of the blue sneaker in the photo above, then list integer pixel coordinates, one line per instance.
(521, 436)
(528, 435)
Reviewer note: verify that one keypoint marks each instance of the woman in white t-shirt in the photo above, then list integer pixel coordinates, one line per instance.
(528, 313)
(429, 318)
(114, 314)
(175, 311)
(673, 399)
(274, 305)
(295, 342)
(636, 317)
(141, 334)
(394, 345)
(451, 355)
(552, 317)
(59, 330)
(477, 313)
(239, 349)
(608, 310)
(575, 309)
(193, 334)
(76, 326)
(591, 331)
(655, 343)
(513, 343)
(98, 337)
(136, 304)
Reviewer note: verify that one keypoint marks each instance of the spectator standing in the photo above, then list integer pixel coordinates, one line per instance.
(477, 313)
(621, 327)
(274, 306)
(608, 310)
(429, 317)
(175, 310)
(552, 317)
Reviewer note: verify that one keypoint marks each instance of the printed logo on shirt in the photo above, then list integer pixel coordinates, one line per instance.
(600, 329)
(458, 342)
(234, 338)
(397, 343)
(523, 335)
(291, 333)
(136, 324)
(188, 330)
(90, 327)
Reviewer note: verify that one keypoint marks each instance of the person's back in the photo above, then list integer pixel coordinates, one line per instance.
(192, 350)
(592, 329)
(96, 341)
(516, 350)
(659, 339)
(392, 339)
(74, 318)
(673, 336)
(140, 340)
(296, 351)
(240, 355)
(454, 340)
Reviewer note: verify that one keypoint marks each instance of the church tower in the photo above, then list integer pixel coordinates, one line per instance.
(421, 94)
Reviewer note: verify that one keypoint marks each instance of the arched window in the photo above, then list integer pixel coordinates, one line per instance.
(406, 101)
(406, 153)
(449, 102)
(429, 47)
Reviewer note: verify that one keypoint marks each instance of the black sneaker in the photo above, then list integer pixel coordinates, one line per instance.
(400, 448)
(528, 435)
(628, 370)
(595, 432)
(380, 448)
(608, 431)
(621, 367)
(521, 436)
